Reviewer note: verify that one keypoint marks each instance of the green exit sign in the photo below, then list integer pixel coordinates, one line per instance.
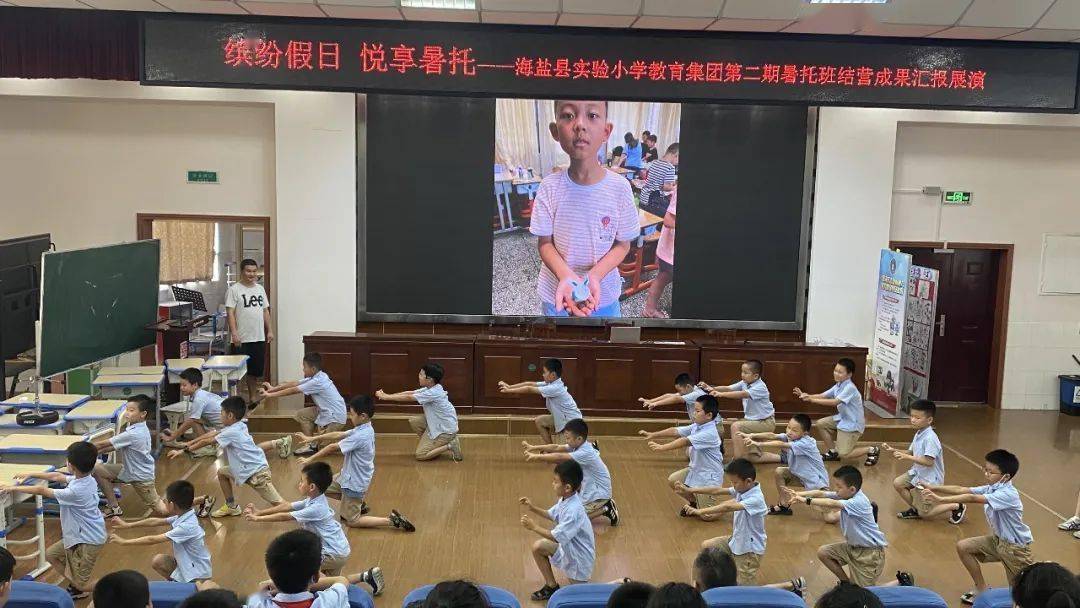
(202, 177)
(956, 197)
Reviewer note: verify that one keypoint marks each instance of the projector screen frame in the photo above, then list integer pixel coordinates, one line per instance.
(802, 278)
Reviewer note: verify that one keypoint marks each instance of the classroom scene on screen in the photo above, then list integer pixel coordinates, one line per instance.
(271, 336)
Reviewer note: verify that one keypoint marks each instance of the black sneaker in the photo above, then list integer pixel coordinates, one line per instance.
(374, 578)
(596, 446)
(968, 598)
(779, 509)
(542, 594)
(364, 510)
(906, 579)
(400, 522)
(798, 586)
(612, 512)
(909, 514)
(830, 456)
(206, 507)
(76, 594)
(305, 450)
(958, 514)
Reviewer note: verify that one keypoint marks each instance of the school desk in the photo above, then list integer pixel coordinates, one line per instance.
(175, 366)
(46, 401)
(96, 415)
(504, 185)
(138, 370)
(228, 368)
(21, 448)
(9, 425)
(10, 499)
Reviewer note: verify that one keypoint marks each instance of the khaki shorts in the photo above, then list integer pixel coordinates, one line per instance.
(746, 564)
(145, 490)
(922, 505)
(864, 563)
(702, 500)
(787, 477)
(306, 417)
(767, 425)
(993, 548)
(845, 440)
(332, 565)
(547, 421)
(427, 444)
(260, 482)
(76, 563)
(349, 507)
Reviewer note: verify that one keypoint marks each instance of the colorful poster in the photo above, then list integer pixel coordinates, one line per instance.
(886, 351)
(918, 335)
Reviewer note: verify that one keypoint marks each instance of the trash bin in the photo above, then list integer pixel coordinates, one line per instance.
(1070, 395)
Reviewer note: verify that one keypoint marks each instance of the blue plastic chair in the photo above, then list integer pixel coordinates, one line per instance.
(29, 594)
(758, 597)
(170, 594)
(497, 598)
(908, 597)
(994, 598)
(586, 595)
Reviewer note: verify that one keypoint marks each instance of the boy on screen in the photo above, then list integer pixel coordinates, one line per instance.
(584, 219)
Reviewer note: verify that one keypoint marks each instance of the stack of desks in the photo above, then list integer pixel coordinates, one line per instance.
(7, 502)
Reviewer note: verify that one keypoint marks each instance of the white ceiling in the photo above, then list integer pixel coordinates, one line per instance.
(1033, 20)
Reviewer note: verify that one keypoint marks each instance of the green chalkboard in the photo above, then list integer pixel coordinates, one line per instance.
(96, 303)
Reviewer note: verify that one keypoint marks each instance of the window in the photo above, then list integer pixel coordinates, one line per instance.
(188, 250)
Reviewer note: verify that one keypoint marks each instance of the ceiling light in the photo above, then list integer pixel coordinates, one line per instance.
(468, 5)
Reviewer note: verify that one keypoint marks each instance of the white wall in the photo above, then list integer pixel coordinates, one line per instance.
(854, 218)
(80, 158)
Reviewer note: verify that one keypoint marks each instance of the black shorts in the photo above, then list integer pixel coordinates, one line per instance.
(256, 352)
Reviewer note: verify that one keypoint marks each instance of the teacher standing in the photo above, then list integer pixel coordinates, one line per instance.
(250, 327)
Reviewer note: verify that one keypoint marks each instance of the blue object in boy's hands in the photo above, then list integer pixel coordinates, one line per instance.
(580, 291)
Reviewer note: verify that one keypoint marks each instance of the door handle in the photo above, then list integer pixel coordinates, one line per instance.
(941, 326)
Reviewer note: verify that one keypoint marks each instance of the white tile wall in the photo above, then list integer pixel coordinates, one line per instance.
(1036, 354)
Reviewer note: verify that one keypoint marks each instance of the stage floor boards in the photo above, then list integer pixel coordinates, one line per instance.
(468, 517)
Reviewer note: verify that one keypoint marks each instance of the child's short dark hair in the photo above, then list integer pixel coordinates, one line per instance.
(7, 565)
(577, 427)
(458, 594)
(181, 493)
(1004, 460)
(710, 405)
(755, 366)
(83, 456)
(741, 468)
(248, 262)
(850, 476)
(362, 404)
(123, 589)
(318, 473)
(645, 134)
(192, 375)
(144, 403)
(1046, 585)
(848, 595)
(676, 595)
(554, 366)
(293, 560)
(313, 360)
(847, 364)
(652, 138)
(434, 371)
(673, 148)
(632, 594)
(617, 151)
(234, 406)
(684, 379)
(926, 406)
(570, 473)
(212, 598)
(714, 568)
(803, 421)
(629, 139)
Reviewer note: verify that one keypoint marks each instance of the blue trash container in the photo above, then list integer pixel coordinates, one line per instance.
(1070, 395)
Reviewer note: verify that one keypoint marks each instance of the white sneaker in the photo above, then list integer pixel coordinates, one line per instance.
(1073, 523)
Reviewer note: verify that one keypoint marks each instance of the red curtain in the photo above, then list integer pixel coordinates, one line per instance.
(54, 43)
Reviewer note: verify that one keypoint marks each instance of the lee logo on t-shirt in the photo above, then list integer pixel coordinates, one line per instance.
(252, 302)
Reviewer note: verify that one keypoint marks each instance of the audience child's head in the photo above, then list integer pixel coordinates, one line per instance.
(312, 364)
(671, 155)
(213, 598)
(179, 496)
(430, 374)
(706, 409)
(123, 589)
(631, 594)
(629, 140)
(361, 410)
(580, 127)
(552, 370)
(844, 370)
(652, 140)
(846, 481)
(616, 152)
(676, 595)
(455, 594)
(741, 474)
(848, 595)
(1046, 585)
(249, 270)
(684, 383)
(315, 478)
(81, 458)
(293, 560)
(922, 413)
(577, 433)
(644, 135)
(714, 568)
(567, 479)
(233, 410)
(798, 427)
(191, 380)
(751, 371)
(138, 408)
(7, 569)
(1001, 466)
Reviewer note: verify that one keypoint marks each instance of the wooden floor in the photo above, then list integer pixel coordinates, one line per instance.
(468, 517)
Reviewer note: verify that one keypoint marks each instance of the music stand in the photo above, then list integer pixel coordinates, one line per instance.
(189, 295)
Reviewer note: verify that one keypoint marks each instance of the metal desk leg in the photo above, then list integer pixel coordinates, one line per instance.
(38, 538)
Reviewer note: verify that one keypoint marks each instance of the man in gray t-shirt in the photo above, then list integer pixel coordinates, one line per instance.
(250, 326)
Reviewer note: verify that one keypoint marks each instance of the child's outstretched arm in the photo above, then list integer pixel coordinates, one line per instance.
(665, 399)
(402, 397)
(727, 506)
(524, 500)
(681, 442)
